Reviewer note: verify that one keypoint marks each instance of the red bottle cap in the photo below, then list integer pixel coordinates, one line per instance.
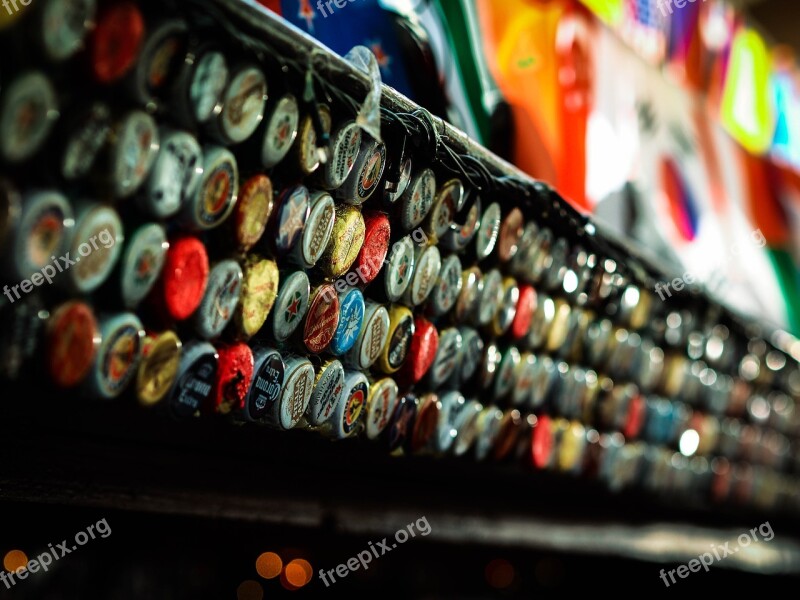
(637, 409)
(542, 442)
(234, 375)
(185, 277)
(117, 41)
(322, 318)
(427, 421)
(376, 246)
(421, 353)
(72, 342)
(526, 305)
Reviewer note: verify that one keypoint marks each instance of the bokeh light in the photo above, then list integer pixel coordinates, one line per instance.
(499, 574)
(298, 572)
(14, 559)
(269, 565)
(250, 590)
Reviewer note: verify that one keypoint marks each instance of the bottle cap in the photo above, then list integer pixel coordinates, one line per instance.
(381, 404)
(290, 218)
(366, 173)
(447, 202)
(73, 339)
(267, 384)
(401, 425)
(243, 105)
(161, 55)
(417, 201)
(510, 234)
(28, 111)
(489, 423)
(116, 41)
(377, 232)
(486, 238)
(458, 236)
(426, 424)
(524, 376)
(200, 86)
(504, 317)
(281, 131)
(467, 302)
(94, 262)
(470, 356)
(346, 240)
(372, 338)
(317, 231)
(466, 426)
(447, 288)
(63, 26)
(399, 269)
(176, 173)
(401, 331)
(194, 385)
(85, 138)
(351, 319)
(234, 377)
(158, 369)
(491, 297)
(259, 291)
(185, 277)
(447, 357)
(295, 395)
(220, 300)
(291, 305)
(428, 263)
(523, 315)
(117, 357)
(43, 233)
(345, 147)
(347, 413)
(504, 379)
(327, 394)
(216, 194)
(452, 405)
(141, 263)
(424, 344)
(135, 146)
(542, 443)
(322, 318)
(252, 211)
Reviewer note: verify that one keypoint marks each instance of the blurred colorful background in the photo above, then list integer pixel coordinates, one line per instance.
(675, 123)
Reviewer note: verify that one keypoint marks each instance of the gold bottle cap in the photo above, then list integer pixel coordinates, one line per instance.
(346, 241)
(158, 370)
(259, 290)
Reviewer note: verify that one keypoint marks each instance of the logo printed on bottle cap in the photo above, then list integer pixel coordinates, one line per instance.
(65, 24)
(351, 318)
(208, 82)
(448, 286)
(322, 318)
(196, 376)
(221, 298)
(118, 356)
(418, 199)
(134, 153)
(291, 305)
(327, 394)
(42, 233)
(94, 262)
(158, 370)
(267, 383)
(372, 338)
(429, 263)
(382, 402)
(253, 211)
(244, 103)
(174, 176)
(72, 341)
(259, 291)
(27, 114)
(142, 261)
(293, 207)
(318, 230)
(217, 193)
(281, 131)
(399, 269)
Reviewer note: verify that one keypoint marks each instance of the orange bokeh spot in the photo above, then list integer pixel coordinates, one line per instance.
(269, 565)
(15, 559)
(298, 572)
